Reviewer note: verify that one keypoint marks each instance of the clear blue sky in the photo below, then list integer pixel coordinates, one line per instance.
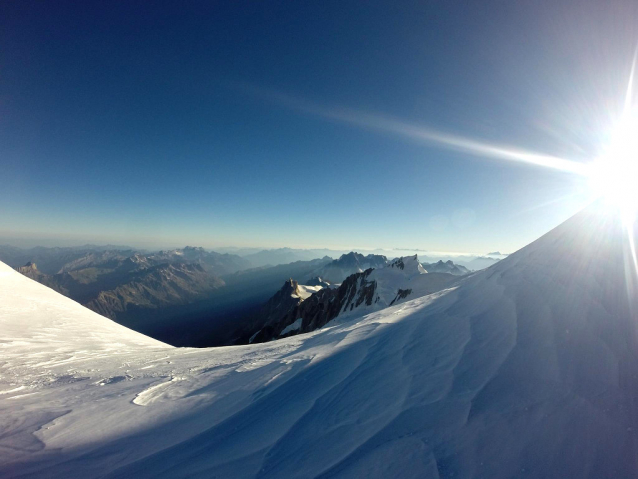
(211, 123)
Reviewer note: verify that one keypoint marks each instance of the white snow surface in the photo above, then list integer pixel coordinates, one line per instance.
(526, 369)
(306, 291)
(392, 278)
(292, 327)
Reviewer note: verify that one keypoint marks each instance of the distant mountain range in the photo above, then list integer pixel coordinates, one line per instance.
(446, 267)
(265, 257)
(115, 282)
(111, 283)
(350, 263)
(194, 297)
(186, 296)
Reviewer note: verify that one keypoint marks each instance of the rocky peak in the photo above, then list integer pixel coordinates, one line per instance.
(290, 287)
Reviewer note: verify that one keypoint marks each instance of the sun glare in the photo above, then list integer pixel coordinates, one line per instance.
(614, 175)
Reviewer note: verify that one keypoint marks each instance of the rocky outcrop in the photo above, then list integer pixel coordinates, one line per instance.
(320, 308)
(30, 270)
(273, 310)
(401, 294)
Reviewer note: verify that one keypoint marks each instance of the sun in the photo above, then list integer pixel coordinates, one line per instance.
(614, 175)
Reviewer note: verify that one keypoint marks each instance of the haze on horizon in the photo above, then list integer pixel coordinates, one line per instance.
(270, 125)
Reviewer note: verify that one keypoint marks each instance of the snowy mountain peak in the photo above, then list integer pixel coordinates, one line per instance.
(409, 265)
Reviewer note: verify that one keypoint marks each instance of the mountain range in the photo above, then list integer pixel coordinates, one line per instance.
(177, 295)
(112, 282)
(526, 369)
(350, 263)
(292, 312)
(446, 267)
(202, 291)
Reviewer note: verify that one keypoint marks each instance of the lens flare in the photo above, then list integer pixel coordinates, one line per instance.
(614, 175)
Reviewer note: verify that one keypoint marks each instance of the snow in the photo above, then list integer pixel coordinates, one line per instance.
(528, 368)
(404, 273)
(306, 291)
(292, 327)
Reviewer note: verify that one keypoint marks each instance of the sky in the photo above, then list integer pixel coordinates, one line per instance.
(303, 124)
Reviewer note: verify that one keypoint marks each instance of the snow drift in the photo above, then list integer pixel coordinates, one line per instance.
(528, 368)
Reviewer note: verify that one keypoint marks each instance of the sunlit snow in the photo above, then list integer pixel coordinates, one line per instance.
(529, 367)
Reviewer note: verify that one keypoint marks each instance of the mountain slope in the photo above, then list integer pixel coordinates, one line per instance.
(214, 263)
(529, 368)
(155, 287)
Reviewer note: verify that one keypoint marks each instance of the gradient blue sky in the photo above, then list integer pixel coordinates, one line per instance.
(173, 123)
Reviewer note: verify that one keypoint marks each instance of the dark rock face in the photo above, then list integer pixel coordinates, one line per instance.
(398, 264)
(401, 294)
(275, 308)
(319, 308)
(397, 281)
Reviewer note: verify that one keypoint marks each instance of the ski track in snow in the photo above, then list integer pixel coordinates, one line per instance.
(528, 368)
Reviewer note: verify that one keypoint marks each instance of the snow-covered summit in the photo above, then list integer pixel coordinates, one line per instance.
(409, 265)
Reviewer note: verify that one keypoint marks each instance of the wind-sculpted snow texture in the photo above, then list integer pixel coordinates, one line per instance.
(526, 369)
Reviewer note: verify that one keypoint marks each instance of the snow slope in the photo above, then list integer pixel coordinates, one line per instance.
(526, 369)
(305, 291)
